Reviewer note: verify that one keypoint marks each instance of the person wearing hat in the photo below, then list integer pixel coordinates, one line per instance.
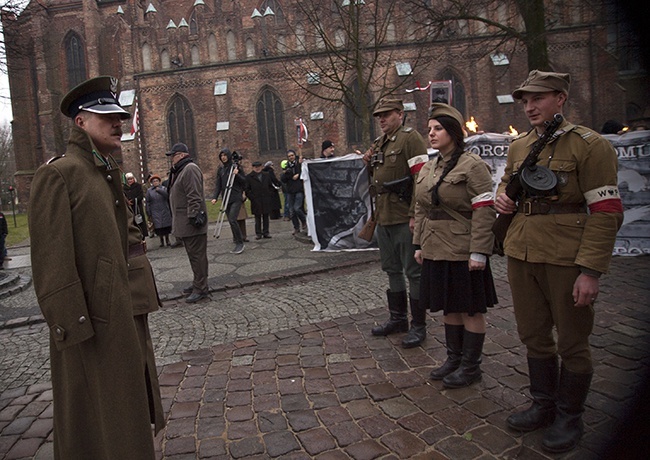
(393, 161)
(104, 381)
(295, 192)
(558, 245)
(454, 213)
(158, 209)
(189, 217)
(276, 203)
(134, 192)
(327, 149)
(231, 175)
(260, 190)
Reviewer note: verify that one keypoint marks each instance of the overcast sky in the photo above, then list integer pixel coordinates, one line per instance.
(5, 103)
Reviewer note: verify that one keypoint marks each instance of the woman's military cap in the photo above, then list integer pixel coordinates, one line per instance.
(438, 109)
(97, 95)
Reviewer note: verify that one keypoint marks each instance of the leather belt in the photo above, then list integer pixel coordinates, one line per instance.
(438, 214)
(138, 249)
(530, 208)
(377, 190)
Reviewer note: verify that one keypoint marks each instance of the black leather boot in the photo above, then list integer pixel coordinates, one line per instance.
(418, 331)
(543, 376)
(398, 320)
(566, 431)
(454, 340)
(470, 364)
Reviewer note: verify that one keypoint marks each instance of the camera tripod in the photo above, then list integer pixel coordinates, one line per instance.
(224, 202)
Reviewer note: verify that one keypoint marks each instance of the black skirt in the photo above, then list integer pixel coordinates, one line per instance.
(450, 286)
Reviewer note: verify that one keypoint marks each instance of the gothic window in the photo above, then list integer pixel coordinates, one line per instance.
(76, 60)
(353, 123)
(146, 57)
(457, 88)
(194, 26)
(212, 48)
(195, 55)
(232, 47)
(165, 61)
(180, 124)
(300, 38)
(339, 38)
(390, 32)
(270, 123)
(250, 49)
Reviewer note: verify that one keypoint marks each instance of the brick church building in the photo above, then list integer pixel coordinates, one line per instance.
(237, 74)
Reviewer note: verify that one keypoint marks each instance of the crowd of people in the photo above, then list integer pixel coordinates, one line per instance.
(434, 229)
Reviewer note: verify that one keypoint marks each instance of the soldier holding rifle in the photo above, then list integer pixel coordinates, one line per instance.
(558, 245)
(393, 160)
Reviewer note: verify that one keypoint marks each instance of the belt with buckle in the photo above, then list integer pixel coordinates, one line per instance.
(138, 249)
(530, 208)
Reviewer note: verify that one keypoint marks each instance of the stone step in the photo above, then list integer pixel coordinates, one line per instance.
(13, 283)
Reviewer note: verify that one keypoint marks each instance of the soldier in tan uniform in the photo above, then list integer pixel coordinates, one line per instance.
(394, 160)
(558, 245)
(454, 213)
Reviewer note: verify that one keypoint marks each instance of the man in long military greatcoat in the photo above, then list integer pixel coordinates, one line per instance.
(104, 401)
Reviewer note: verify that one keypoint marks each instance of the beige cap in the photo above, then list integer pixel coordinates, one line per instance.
(438, 109)
(542, 82)
(387, 104)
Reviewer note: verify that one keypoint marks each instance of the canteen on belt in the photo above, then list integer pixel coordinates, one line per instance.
(538, 181)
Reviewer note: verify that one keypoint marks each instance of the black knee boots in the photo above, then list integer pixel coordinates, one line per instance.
(418, 331)
(469, 370)
(398, 320)
(454, 341)
(543, 376)
(566, 431)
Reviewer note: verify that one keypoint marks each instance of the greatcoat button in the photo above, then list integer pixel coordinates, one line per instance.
(58, 331)
(82, 319)
(109, 178)
(117, 202)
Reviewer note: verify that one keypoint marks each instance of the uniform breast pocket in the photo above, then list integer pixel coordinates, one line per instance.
(102, 298)
(565, 171)
(391, 159)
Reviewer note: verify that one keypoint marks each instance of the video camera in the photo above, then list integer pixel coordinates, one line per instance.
(236, 157)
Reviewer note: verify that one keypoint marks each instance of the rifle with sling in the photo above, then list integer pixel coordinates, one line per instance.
(524, 178)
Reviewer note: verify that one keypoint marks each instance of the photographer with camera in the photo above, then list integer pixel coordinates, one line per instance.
(235, 198)
(189, 217)
(295, 192)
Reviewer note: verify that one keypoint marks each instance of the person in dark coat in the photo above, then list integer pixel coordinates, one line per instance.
(158, 209)
(236, 198)
(276, 202)
(4, 231)
(135, 197)
(189, 217)
(79, 224)
(260, 190)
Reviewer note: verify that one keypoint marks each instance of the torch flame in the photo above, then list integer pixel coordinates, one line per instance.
(472, 125)
(513, 131)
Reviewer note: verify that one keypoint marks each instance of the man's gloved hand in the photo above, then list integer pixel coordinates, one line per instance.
(199, 220)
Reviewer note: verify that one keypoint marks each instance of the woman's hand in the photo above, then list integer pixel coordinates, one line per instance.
(418, 256)
(475, 265)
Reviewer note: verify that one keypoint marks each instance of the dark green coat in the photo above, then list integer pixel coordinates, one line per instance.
(79, 237)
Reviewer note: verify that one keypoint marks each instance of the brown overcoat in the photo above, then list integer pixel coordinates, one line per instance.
(79, 250)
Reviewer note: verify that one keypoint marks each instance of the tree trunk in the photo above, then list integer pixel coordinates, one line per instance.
(532, 12)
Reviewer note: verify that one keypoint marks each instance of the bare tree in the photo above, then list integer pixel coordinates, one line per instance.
(344, 52)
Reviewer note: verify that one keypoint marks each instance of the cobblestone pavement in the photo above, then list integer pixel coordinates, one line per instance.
(288, 368)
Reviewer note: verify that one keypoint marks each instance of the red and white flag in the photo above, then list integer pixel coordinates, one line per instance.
(136, 120)
(301, 131)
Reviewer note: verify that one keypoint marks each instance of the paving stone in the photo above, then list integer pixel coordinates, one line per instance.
(210, 427)
(24, 448)
(270, 421)
(242, 430)
(458, 447)
(382, 391)
(366, 450)
(346, 433)
(334, 415)
(292, 403)
(246, 447)
(212, 448)
(320, 401)
(398, 407)
(302, 420)
(316, 441)
(377, 425)
(403, 442)
(280, 443)
(183, 445)
(496, 441)
(239, 414)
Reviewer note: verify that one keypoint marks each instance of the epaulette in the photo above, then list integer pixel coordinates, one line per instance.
(53, 159)
(407, 129)
(588, 135)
